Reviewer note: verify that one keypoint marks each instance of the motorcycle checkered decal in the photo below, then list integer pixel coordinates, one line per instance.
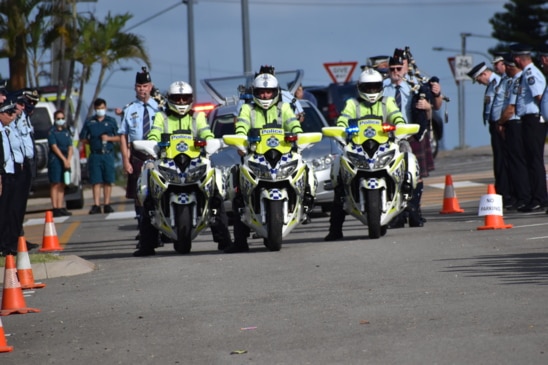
(275, 194)
(183, 198)
(372, 184)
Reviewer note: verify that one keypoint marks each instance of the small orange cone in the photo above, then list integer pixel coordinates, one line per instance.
(492, 203)
(50, 241)
(13, 301)
(450, 202)
(24, 269)
(3, 343)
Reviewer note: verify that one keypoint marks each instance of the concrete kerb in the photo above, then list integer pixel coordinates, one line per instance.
(67, 266)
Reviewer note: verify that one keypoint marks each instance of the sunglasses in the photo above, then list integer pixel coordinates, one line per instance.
(396, 68)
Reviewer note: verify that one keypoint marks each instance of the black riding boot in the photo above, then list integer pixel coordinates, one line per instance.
(337, 216)
(219, 223)
(414, 207)
(148, 239)
(241, 231)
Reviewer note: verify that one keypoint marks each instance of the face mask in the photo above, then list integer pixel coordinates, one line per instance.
(60, 122)
(100, 112)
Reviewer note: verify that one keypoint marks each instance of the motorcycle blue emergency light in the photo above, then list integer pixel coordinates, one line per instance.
(352, 129)
(254, 139)
(163, 144)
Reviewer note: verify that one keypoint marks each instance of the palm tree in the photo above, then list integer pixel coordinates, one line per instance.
(110, 45)
(14, 23)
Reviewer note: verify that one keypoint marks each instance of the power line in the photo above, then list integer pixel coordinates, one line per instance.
(361, 3)
(161, 12)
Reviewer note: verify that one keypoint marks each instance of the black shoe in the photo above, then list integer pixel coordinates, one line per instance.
(224, 244)
(65, 212)
(57, 213)
(31, 246)
(108, 209)
(333, 236)
(529, 208)
(95, 210)
(8, 252)
(138, 237)
(144, 252)
(236, 247)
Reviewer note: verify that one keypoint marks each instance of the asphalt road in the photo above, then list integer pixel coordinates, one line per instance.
(446, 293)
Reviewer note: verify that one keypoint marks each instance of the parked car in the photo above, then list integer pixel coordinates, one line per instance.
(42, 122)
(321, 155)
(332, 98)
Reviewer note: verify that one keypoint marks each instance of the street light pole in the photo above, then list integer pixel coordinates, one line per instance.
(190, 30)
(245, 32)
(461, 97)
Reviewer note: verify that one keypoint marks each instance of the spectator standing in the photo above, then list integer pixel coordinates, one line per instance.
(492, 110)
(9, 173)
(301, 93)
(137, 119)
(528, 101)
(510, 127)
(100, 132)
(60, 155)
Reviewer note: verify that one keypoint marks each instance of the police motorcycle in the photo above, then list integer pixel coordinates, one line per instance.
(378, 178)
(272, 180)
(176, 184)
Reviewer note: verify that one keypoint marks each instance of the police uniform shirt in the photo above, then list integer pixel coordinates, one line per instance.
(61, 138)
(489, 97)
(406, 96)
(511, 92)
(24, 131)
(544, 105)
(132, 121)
(16, 144)
(532, 84)
(498, 102)
(8, 158)
(94, 129)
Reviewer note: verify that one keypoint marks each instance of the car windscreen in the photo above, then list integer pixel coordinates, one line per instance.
(222, 124)
(41, 122)
(312, 121)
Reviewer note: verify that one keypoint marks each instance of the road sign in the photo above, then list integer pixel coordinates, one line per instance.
(340, 71)
(463, 64)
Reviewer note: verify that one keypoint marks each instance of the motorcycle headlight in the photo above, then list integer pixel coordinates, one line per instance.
(259, 170)
(357, 160)
(287, 169)
(384, 159)
(195, 174)
(171, 175)
(323, 163)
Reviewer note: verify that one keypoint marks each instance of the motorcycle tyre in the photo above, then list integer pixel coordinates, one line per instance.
(373, 198)
(274, 222)
(183, 221)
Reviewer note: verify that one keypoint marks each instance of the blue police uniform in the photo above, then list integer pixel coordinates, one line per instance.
(532, 85)
(132, 126)
(406, 96)
(101, 159)
(63, 140)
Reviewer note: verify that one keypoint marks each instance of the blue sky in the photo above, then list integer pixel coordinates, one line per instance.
(304, 34)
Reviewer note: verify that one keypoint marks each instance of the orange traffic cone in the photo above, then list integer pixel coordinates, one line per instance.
(450, 202)
(24, 269)
(3, 343)
(13, 301)
(50, 241)
(491, 207)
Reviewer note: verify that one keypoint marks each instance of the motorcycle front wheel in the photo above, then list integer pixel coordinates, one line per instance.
(373, 198)
(274, 222)
(183, 221)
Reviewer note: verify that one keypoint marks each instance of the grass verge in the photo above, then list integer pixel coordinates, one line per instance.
(36, 258)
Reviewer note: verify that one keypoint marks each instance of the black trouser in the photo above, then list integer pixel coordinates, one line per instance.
(10, 209)
(534, 134)
(517, 166)
(500, 164)
(337, 216)
(26, 181)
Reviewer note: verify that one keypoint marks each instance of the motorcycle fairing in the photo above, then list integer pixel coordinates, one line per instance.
(182, 143)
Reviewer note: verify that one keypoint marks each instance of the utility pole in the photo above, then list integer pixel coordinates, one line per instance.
(462, 97)
(191, 54)
(245, 32)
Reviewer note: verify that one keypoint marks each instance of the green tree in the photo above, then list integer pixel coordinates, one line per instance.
(15, 18)
(524, 21)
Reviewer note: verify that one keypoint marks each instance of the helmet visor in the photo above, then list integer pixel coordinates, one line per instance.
(181, 99)
(265, 93)
(370, 87)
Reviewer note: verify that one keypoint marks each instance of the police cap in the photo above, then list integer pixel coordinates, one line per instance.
(543, 50)
(8, 106)
(497, 57)
(519, 49)
(509, 60)
(477, 70)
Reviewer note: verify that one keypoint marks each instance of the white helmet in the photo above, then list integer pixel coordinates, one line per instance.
(180, 97)
(370, 85)
(262, 83)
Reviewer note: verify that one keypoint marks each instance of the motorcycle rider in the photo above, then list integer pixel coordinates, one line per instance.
(180, 116)
(267, 107)
(371, 102)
